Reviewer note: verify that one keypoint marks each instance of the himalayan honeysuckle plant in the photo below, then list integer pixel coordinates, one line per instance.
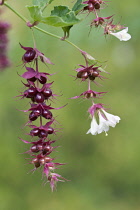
(38, 85)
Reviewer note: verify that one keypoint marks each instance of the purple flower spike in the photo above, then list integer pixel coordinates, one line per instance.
(39, 92)
(4, 61)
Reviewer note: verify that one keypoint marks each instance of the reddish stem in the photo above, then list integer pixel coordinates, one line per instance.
(89, 84)
(40, 120)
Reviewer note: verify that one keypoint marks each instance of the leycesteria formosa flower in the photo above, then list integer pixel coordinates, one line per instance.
(105, 119)
(117, 30)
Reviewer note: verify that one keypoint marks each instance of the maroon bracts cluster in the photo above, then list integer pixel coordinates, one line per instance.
(89, 73)
(93, 5)
(39, 91)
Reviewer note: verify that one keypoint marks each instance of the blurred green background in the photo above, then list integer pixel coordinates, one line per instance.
(104, 171)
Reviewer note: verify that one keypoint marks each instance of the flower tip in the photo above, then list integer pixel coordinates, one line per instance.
(106, 134)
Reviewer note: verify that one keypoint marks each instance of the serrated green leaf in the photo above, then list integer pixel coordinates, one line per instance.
(63, 21)
(60, 11)
(35, 12)
(78, 6)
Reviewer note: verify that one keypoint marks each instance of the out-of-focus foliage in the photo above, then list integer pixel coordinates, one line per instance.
(104, 171)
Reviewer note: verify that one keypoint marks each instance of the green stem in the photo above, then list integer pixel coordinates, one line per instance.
(13, 10)
(39, 29)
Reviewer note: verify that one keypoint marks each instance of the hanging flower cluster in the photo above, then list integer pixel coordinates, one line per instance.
(101, 120)
(4, 27)
(39, 92)
(106, 23)
(38, 89)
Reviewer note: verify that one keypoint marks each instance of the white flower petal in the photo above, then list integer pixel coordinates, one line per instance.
(112, 118)
(103, 124)
(93, 127)
(122, 35)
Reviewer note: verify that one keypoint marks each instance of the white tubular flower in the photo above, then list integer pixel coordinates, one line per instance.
(105, 121)
(93, 127)
(122, 35)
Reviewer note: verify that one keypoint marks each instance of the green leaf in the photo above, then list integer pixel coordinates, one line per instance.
(60, 11)
(78, 6)
(35, 12)
(63, 21)
(61, 16)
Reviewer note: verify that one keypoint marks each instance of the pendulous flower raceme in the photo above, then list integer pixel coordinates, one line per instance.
(39, 91)
(101, 120)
